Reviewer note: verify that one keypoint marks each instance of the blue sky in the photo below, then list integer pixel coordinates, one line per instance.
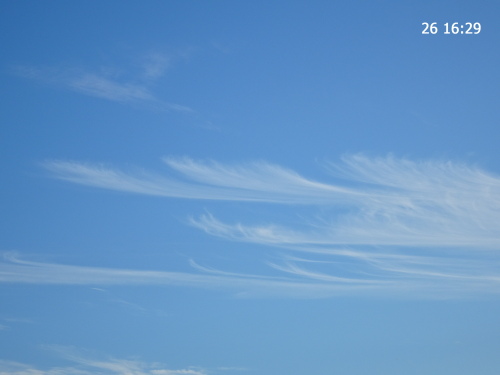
(194, 188)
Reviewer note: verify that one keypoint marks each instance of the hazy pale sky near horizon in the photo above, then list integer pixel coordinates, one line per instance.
(218, 187)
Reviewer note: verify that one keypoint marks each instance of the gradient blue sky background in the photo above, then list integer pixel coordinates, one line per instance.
(222, 187)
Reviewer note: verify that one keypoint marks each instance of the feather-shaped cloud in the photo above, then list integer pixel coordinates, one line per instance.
(386, 224)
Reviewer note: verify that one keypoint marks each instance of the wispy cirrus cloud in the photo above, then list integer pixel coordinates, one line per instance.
(389, 201)
(384, 225)
(14, 269)
(103, 87)
(155, 65)
(259, 182)
(112, 84)
(86, 365)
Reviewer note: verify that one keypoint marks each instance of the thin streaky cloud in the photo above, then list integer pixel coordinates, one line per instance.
(262, 182)
(16, 270)
(155, 65)
(426, 197)
(370, 264)
(413, 175)
(214, 271)
(360, 231)
(95, 85)
(295, 281)
(257, 176)
(420, 223)
(87, 365)
(108, 84)
(434, 205)
(295, 270)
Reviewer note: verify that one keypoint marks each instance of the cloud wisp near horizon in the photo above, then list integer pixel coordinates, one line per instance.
(82, 364)
(383, 226)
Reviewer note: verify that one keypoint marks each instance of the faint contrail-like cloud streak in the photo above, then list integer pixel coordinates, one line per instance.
(110, 83)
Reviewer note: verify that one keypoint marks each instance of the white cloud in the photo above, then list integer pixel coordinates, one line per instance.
(110, 83)
(261, 182)
(16, 270)
(155, 65)
(400, 202)
(89, 366)
(102, 87)
(177, 372)
(82, 363)
(385, 225)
